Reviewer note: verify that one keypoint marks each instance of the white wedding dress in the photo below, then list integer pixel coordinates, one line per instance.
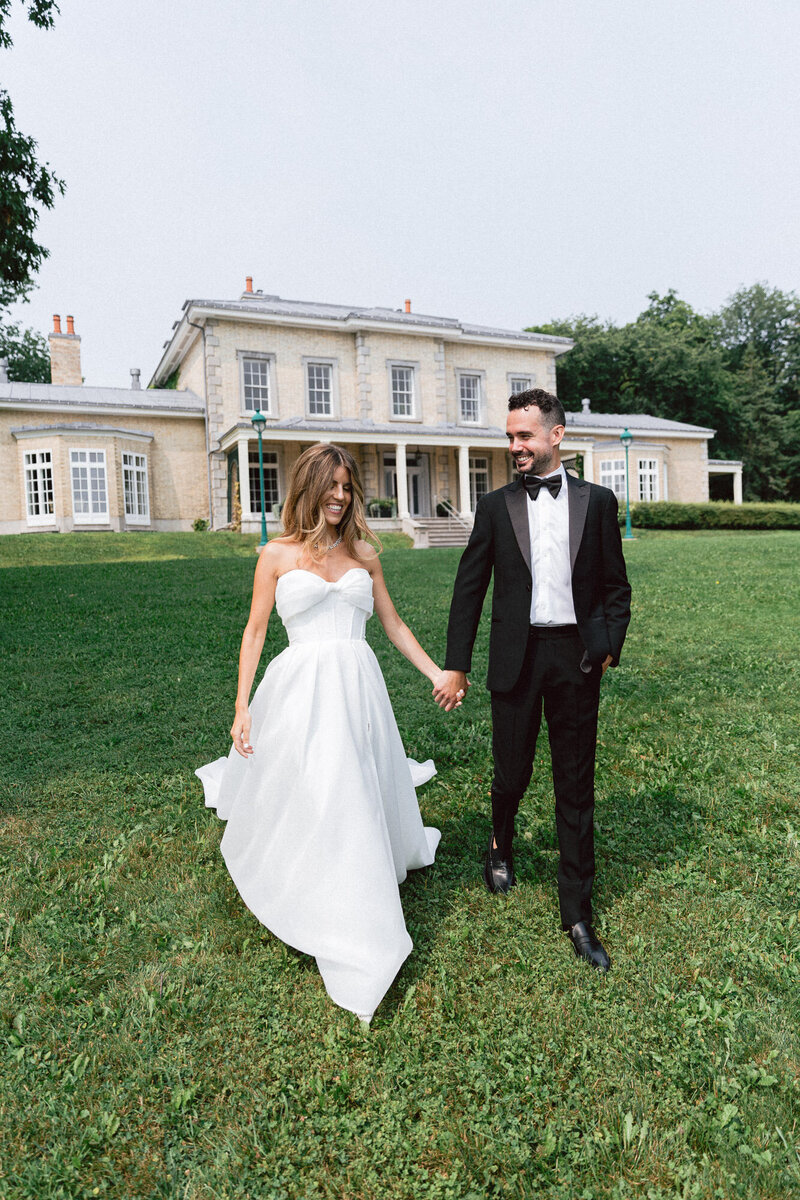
(322, 819)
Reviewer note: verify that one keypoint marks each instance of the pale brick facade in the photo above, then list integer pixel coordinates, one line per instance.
(77, 458)
(442, 442)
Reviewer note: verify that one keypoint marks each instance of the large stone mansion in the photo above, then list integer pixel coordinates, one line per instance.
(419, 400)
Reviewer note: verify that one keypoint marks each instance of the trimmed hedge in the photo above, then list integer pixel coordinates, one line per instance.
(720, 514)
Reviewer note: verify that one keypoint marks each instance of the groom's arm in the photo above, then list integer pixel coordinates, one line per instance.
(469, 590)
(616, 589)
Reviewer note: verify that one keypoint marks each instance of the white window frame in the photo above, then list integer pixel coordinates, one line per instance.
(393, 364)
(466, 373)
(612, 475)
(479, 464)
(267, 361)
(332, 364)
(90, 518)
(38, 470)
(515, 377)
(647, 479)
(135, 473)
(271, 463)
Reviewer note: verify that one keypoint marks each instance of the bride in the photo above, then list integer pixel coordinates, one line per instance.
(318, 795)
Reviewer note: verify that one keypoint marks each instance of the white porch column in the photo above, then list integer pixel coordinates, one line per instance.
(402, 481)
(737, 484)
(588, 465)
(242, 449)
(463, 481)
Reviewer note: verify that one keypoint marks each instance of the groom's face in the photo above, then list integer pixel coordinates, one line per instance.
(532, 444)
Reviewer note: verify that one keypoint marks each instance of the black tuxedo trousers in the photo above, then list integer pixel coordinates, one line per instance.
(551, 680)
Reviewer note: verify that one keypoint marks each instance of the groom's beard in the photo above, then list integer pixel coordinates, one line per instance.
(538, 465)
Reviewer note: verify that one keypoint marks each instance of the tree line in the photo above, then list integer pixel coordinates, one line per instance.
(736, 371)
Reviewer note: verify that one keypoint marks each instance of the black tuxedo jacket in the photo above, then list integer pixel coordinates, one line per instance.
(500, 542)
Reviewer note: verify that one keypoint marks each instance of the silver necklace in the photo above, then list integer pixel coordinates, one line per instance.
(333, 545)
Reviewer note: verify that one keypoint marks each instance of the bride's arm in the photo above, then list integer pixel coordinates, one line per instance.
(397, 631)
(255, 631)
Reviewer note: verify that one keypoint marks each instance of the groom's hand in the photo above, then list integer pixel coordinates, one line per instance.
(449, 689)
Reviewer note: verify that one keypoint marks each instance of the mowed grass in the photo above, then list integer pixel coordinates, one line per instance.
(158, 1042)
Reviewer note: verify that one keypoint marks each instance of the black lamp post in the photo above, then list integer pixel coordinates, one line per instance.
(626, 437)
(259, 421)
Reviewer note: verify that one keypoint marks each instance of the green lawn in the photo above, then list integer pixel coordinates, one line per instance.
(159, 1043)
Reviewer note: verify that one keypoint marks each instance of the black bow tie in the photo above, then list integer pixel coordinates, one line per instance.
(533, 485)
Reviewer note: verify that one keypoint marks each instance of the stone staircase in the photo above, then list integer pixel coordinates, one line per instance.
(439, 531)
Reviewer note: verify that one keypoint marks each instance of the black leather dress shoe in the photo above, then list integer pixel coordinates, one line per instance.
(586, 944)
(497, 873)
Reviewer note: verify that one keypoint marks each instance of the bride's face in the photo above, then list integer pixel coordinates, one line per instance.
(338, 497)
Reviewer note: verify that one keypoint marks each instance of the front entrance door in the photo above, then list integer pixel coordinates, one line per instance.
(418, 480)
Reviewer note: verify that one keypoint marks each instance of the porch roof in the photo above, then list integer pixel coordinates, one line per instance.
(582, 426)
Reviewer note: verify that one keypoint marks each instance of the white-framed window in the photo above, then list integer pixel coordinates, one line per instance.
(519, 383)
(612, 475)
(272, 492)
(39, 503)
(320, 387)
(469, 398)
(256, 382)
(134, 487)
(478, 480)
(402, 382)
(89, 486)
(648, 479)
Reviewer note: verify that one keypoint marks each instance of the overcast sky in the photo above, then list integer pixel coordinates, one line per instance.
(507, 162)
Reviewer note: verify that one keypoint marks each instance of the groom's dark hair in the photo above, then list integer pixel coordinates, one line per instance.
(550, 406)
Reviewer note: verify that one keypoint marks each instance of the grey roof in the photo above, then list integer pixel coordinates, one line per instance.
(641, 421)
(80, 396)
(78, 426)
(311, 310)
(577, 422)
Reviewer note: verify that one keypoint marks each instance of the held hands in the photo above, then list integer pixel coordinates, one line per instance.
(240, 732)
(449, 689)
(606, 664)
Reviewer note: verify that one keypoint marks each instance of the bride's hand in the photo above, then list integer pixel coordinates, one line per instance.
(449, 689)
(240, 732)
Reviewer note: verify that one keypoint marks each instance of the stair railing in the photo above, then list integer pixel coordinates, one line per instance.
(454, 517)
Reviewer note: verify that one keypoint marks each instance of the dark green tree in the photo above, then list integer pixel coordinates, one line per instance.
(26, 185)
(770, 441)
(27, 352)
(768, 321)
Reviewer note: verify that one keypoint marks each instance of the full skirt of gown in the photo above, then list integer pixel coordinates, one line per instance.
(322, 819)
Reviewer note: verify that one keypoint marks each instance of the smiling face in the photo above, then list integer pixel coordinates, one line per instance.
(337, 499)
(533, 444)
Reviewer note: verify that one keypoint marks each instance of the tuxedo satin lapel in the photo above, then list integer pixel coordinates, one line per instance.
(517, 505)
(578, 494)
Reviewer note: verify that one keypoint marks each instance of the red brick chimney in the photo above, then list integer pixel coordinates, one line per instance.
(408, 306)
(65, 353)
(248, 283)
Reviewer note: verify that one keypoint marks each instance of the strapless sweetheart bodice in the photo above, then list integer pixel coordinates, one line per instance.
(315, 610)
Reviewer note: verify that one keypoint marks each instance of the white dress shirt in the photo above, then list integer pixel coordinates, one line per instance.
(548, 525)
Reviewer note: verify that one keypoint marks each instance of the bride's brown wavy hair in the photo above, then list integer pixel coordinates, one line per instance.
(302, 515)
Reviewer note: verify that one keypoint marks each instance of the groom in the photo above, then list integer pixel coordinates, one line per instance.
(560, 610)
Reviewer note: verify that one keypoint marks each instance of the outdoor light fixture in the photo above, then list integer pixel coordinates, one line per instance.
(259, 421)
(626, 437)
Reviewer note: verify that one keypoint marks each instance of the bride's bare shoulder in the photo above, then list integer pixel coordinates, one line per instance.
(366, 554)
(279, 555)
